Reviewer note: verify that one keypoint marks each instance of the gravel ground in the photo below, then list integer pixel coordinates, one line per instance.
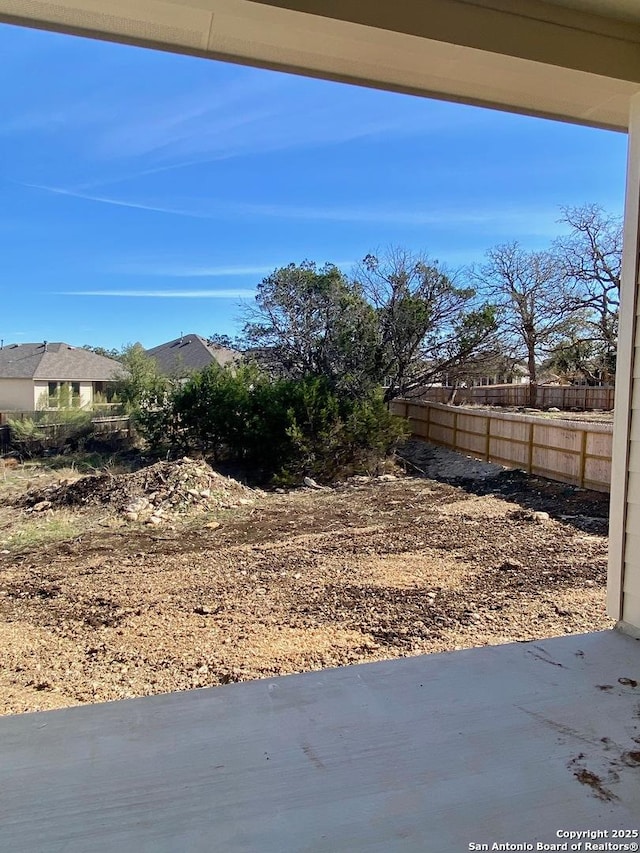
(375, 568)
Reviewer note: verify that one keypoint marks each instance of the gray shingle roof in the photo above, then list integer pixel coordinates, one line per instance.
(189, 354)
(56, 362)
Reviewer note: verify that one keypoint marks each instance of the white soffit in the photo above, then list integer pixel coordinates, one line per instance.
(261, 34)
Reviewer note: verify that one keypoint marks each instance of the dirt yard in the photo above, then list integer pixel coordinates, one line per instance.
(100, 602)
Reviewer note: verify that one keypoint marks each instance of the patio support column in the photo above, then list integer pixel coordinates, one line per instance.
(623, 585)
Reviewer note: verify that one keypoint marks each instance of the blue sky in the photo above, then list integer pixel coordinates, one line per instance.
(146, 194)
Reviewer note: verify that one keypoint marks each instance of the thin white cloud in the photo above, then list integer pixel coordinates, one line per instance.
(49, 119)
(177, 270)
(156, 208)
(252, 117)
(173, 270)
(540, 221)
(238, 293)
(535, 221)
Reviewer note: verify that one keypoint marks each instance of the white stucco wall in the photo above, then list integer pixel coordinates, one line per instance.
(16, 395)
(86, 394)
(40, 394)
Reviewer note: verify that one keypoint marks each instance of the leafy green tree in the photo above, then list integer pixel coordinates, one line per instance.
(113, 353)
(577, 359)
(311, 321)
(399, 322)
(140, 385)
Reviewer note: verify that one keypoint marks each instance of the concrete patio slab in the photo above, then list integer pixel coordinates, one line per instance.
(508, 744)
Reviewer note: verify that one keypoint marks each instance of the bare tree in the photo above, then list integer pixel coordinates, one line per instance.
(590, 257)
(426, 325)
(532, 300)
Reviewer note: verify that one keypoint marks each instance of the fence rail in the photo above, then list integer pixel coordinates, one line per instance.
(559, 396)
(571, 452)
(104, 410)
(111, 426)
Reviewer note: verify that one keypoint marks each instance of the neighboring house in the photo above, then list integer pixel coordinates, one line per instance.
(50, 375)
(516, 374)
(188, 354)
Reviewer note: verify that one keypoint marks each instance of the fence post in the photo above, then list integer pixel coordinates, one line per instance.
(428, 422)
(487, 447)
(455, 430)
(530, 449)
(583, 458)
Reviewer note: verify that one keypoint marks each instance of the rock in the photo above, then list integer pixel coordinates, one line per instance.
(131, 516)
(511, 566)
(193, 492)
(202, 610)
(553, 409)
(205, 493)
(245, 501)
(154, 520)
(138, 505)
(541, 517)
(387, 478)
(213, 525)
(41, 506)
(311, 483)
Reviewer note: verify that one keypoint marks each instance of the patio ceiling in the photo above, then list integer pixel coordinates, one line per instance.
(577, 60)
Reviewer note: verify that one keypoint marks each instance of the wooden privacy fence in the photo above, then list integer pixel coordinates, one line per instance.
(112, 426)
(571, 452)
(101, 427)
(548, 396)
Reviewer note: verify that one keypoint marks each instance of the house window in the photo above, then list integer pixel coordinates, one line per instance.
(53, 400)
(104, 392)
(62, 395)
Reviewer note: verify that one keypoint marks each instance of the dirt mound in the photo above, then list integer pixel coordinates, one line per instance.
(151, 494)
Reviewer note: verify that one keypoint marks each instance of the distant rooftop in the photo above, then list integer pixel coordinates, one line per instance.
(189, 354)
(56, 361)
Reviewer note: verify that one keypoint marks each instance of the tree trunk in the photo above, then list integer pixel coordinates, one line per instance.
(533, 380)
